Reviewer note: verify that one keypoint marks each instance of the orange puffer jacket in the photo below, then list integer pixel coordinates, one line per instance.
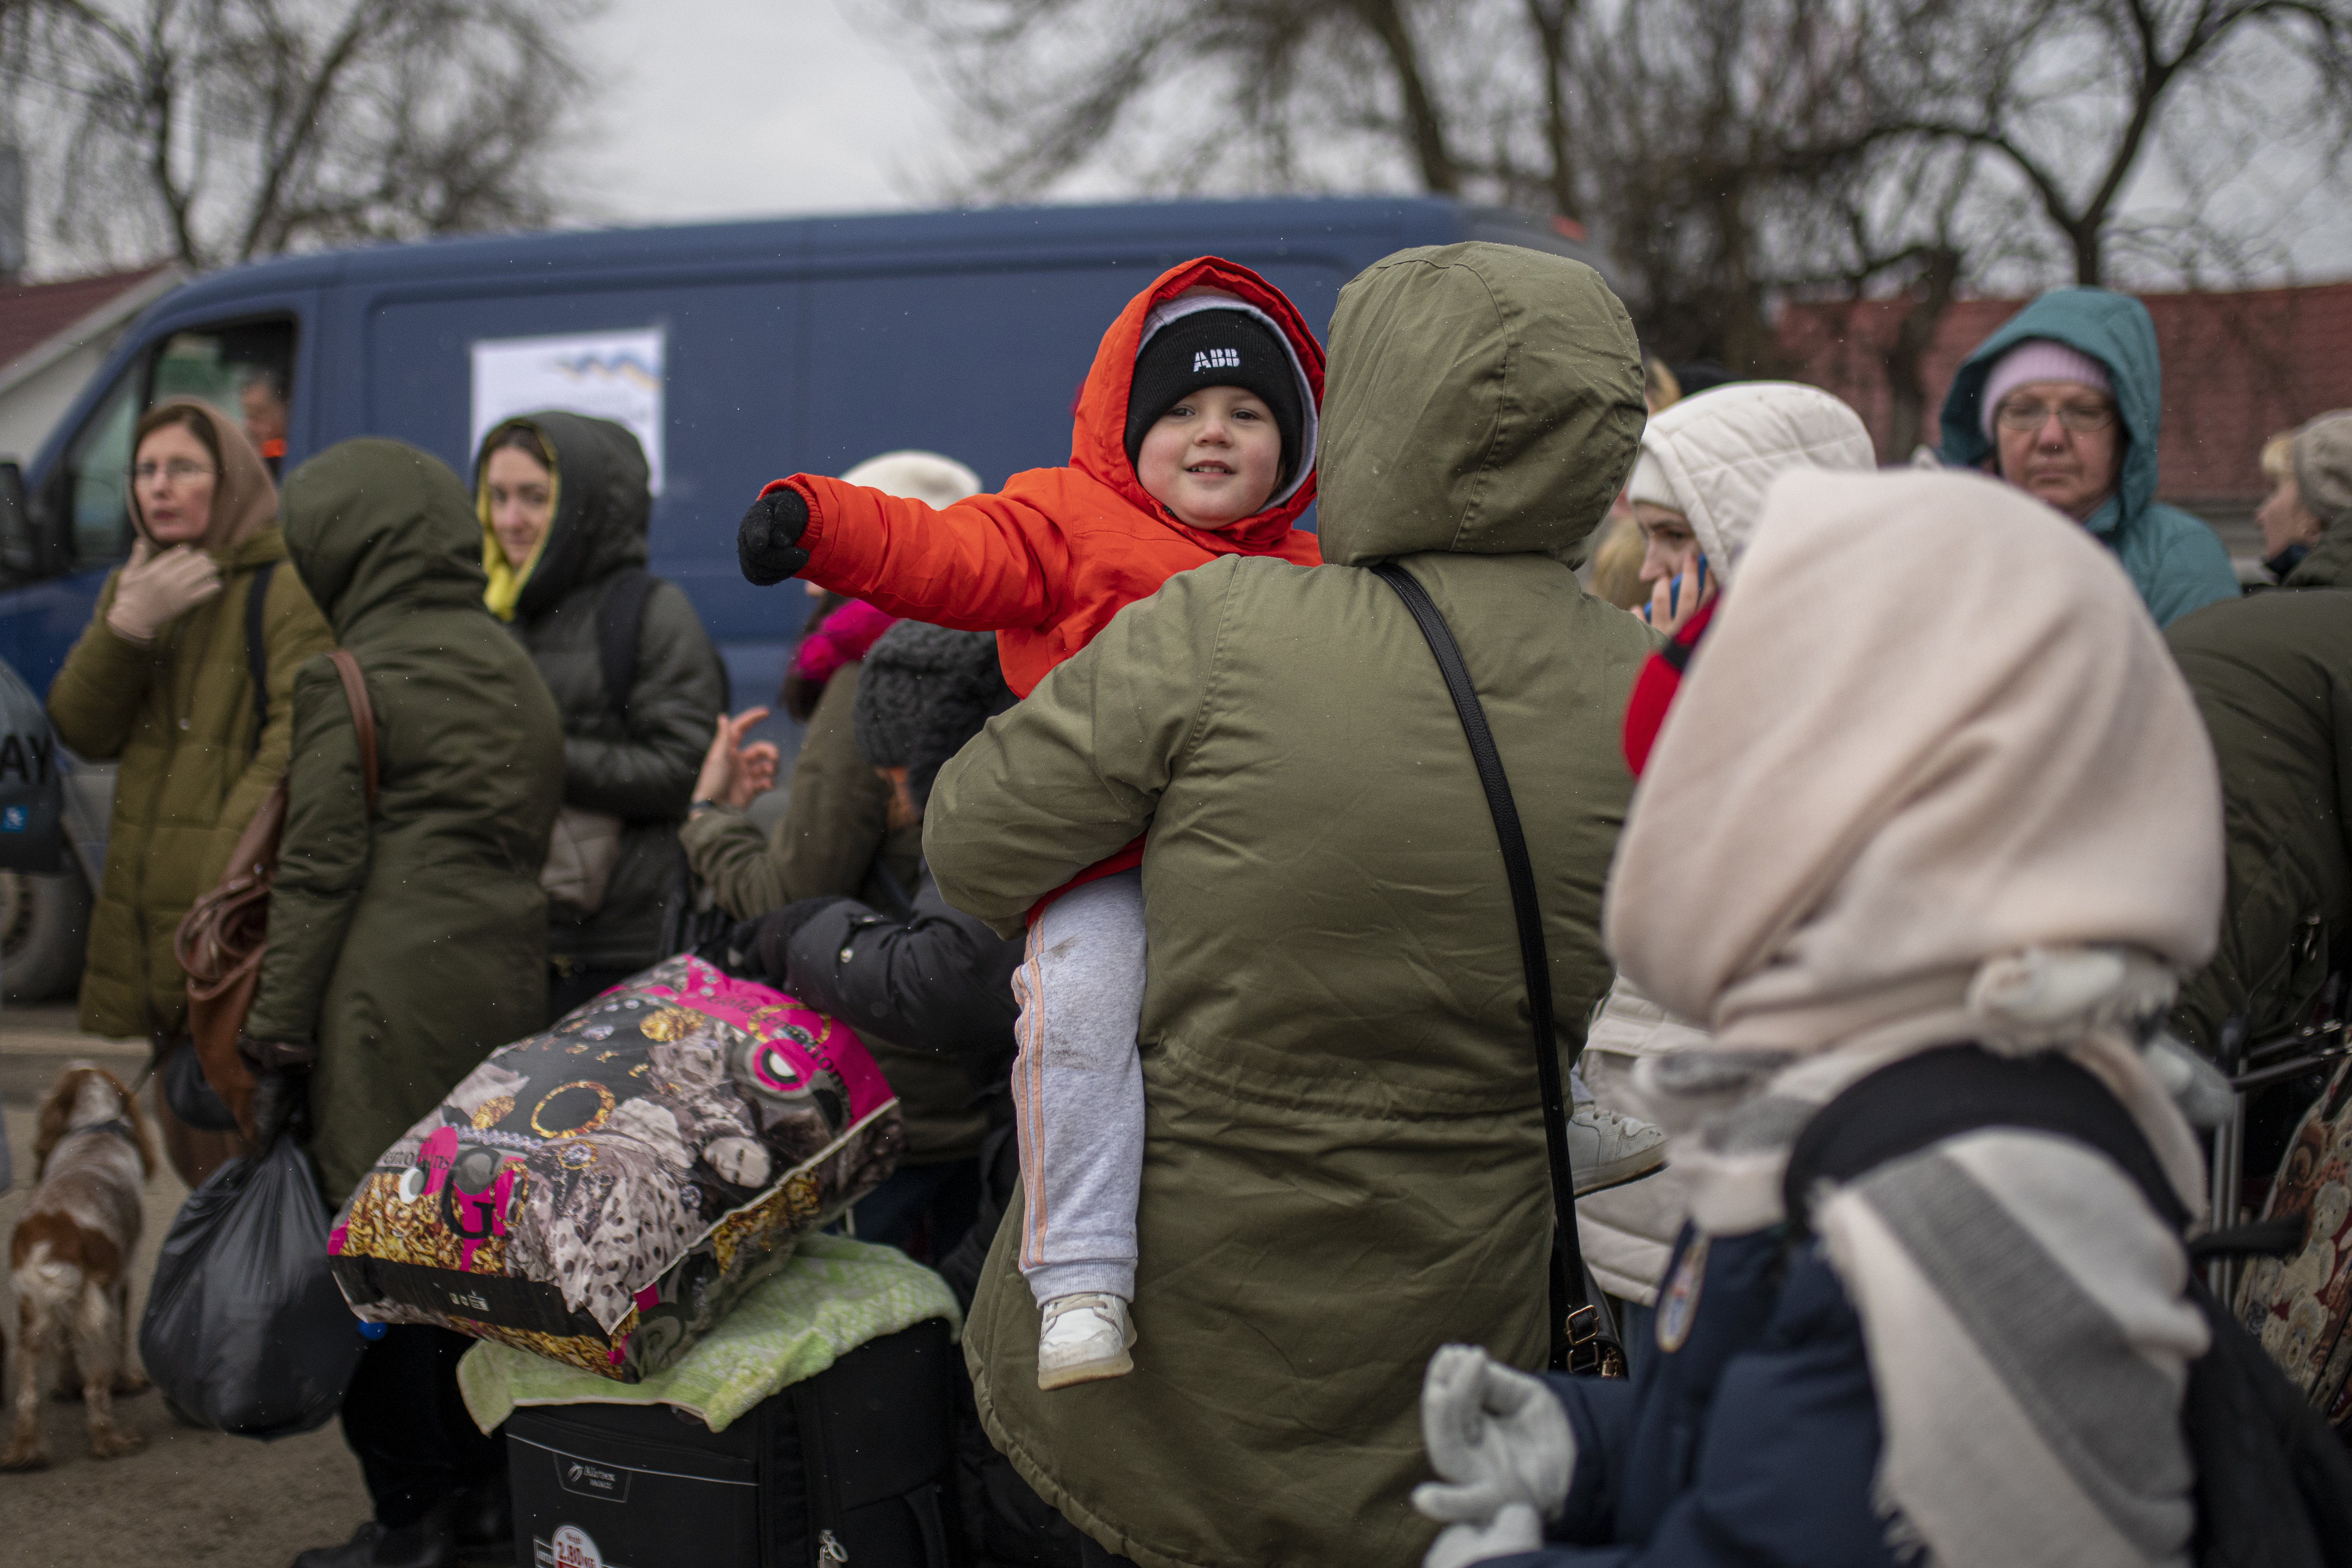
(1047, 561)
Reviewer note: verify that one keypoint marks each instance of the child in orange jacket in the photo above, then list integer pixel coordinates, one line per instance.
(1195, 438)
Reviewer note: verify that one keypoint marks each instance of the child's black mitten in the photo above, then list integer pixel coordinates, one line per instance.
(768, 544)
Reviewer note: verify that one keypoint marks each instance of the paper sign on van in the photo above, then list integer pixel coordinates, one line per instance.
(611, 375)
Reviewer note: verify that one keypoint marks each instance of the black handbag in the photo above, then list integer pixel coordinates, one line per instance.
(1583, 1339)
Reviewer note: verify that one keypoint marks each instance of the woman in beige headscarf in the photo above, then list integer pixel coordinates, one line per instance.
(162, 682)
(1932, 811)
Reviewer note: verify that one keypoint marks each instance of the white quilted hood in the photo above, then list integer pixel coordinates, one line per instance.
(1712, 456)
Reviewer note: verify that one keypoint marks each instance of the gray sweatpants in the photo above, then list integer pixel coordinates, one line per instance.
(1077, 1090)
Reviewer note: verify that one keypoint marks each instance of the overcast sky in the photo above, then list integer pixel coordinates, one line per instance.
(753, 108)
(744, 107)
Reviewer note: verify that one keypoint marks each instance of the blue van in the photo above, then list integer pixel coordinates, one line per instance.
(739, 352)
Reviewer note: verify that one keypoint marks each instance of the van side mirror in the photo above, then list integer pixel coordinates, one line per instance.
(20, 553)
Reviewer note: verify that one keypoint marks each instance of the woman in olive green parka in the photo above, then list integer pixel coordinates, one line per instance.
(408, 947)
(1344, 1160)
(176, 712)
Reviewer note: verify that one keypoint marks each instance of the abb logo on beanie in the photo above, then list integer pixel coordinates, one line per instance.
(1216, 359)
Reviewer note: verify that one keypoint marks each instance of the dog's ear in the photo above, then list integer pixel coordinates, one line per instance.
(57, 1117)
(138, 1122)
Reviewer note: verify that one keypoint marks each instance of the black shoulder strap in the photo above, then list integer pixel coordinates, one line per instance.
(1578, 1343)
(1926, 1099)
(257, 646)
(617, 636)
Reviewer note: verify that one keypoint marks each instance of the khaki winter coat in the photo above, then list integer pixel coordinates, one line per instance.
(409, 945)
(178, 717)
(1344, 1166)
(2273, 675)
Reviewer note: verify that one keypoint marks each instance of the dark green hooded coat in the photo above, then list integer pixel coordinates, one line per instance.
(2176, 562)
(2329, 564)
(640, 767)
(2273, 676)
(411, 946)
(1344, 1166)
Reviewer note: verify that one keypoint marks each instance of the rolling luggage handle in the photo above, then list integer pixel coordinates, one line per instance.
(1581, 1338)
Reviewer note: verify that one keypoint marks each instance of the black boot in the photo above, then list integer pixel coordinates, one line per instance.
(427, 1542)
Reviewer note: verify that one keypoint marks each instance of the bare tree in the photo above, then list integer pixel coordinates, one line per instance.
(217, 130)
(1731, 156)
(1248, 93)
(2070, 94)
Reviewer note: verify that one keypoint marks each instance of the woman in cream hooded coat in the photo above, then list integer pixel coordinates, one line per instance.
(1934, 813)
(1707, 461)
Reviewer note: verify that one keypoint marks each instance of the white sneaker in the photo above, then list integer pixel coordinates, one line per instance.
(1085, 1337)
(1607, 1149)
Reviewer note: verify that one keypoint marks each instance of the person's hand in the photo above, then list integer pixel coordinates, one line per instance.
(732, 773)
(1495, 1437)
(1675, 600)
(156, 587)
(772, 943)
(1514, 1530)
(281, 1079)
(767, 546)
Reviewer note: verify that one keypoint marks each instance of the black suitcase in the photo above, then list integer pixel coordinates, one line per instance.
(855, 1466)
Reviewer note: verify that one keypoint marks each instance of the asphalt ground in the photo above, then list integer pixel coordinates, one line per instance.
(189, 1496)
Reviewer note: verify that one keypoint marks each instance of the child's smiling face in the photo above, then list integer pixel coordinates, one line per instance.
(1213, 457)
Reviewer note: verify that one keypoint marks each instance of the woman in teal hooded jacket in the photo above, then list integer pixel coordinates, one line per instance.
(2175, 561)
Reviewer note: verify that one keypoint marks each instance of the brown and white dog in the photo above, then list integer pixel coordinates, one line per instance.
(71, 1260)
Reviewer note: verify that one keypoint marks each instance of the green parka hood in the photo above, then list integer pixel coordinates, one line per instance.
(2113, 329)
(378, 526)
(602, 504)
(1481, 400)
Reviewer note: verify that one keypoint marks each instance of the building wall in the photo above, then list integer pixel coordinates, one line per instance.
(2237, 368)
(30, 410)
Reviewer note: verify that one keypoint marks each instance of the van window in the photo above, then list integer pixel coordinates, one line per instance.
(98, 472)
(245, 371)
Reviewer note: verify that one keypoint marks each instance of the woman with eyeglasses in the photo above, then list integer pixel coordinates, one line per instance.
(2062, 402)
(163, 682)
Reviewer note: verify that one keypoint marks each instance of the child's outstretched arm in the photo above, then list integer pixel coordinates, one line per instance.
(988, 562)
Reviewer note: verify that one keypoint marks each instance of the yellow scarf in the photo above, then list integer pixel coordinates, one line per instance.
(506, 581)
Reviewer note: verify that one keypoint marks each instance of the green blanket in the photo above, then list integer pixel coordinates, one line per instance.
(832, 1296)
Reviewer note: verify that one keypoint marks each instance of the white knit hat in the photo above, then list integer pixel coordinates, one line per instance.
(925, 477)
(2037, 359)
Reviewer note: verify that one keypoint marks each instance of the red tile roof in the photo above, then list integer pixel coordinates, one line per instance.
(33, 313)
(2237, 368)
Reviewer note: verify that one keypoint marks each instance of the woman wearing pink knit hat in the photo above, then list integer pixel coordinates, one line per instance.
(2064, 403)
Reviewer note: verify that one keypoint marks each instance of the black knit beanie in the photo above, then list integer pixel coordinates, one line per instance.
(1215, 348)
(923, 691)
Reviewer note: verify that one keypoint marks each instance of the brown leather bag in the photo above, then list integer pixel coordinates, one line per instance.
(221, 938)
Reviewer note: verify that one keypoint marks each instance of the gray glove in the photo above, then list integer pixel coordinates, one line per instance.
(1495, 1437)
(156, 587)
(1514, 1530)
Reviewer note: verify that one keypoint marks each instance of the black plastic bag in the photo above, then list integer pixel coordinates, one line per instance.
(244, 1329)
(32, 791)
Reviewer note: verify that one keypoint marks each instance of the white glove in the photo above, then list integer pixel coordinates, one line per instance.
(155, 587)
(1495, 1437)
(1515, 1530)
